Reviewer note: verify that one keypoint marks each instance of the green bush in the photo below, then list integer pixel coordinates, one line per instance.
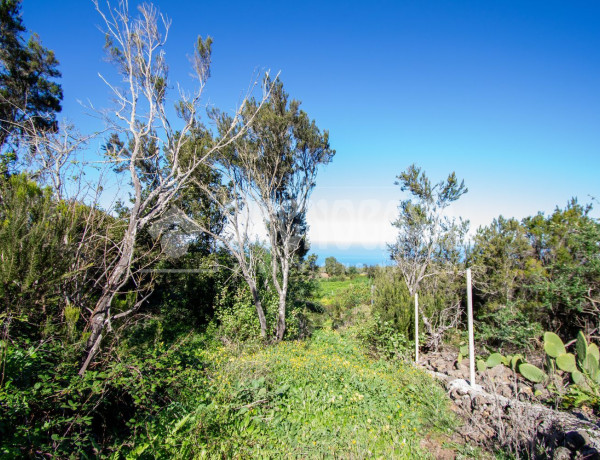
(392, 301)
(236, 313)
(383, 339)
(321, 398)
(508, 327)
(49, 410)
(343, 308)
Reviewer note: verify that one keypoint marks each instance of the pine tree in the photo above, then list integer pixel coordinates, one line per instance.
(28, 94)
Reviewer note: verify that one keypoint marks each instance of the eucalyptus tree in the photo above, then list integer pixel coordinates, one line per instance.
(147, 142)
(270, 169)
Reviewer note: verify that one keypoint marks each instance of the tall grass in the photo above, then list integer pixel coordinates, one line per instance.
(305, 399)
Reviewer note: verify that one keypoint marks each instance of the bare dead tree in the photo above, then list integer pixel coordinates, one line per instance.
(145, 144)
(52, 157)
(444, 313)
(437, 325)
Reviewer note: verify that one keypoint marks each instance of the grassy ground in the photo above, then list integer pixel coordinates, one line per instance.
(329, 289)
(319, 398)
(322, 397)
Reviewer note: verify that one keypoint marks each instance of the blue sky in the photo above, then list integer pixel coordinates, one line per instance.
(506, 93)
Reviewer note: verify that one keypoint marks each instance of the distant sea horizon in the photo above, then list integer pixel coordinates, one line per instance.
(351, 255)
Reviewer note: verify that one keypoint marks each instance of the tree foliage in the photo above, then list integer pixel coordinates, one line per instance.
(545, 267)
(333, 267)
(426, 236)
(28, 90)
(502, 258)
(274, 166)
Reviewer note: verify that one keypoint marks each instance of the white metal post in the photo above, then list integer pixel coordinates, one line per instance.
(416, 327)
(470, 319)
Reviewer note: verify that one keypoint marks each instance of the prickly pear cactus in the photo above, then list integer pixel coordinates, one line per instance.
(581, 347)
(532, 373)
(493, 360)
(515, 361)
(566, 362)
(553, 346)
(481, 366)
(593, 368)
(577, 377)
(584, 368)
(593, 350)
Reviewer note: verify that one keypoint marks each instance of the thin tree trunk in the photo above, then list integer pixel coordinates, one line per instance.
(101, 310)
(280, 330)
(259, 309)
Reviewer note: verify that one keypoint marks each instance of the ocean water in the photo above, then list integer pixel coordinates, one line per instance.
(357, 255)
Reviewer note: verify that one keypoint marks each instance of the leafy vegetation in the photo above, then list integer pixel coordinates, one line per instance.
(544, 269)
(29, 94)
(321, 397)
(128, 332)
(581, 369)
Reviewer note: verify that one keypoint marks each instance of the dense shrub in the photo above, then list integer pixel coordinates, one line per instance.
(508, 328)
(546, 267)
(383, 339)
(392, 301)
(52, 253)
(49, 410)
(345, 306)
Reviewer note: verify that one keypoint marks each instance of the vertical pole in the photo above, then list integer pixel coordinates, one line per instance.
(416, 327)
(372, 294)
(470, 319)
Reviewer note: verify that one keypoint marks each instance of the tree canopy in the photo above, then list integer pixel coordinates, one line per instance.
(29, 95)
(425, 233)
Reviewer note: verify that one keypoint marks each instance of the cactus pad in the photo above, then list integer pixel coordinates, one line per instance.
(532, 373)
(493, 360)
(481, 366)
(553, 346)
(566, 362)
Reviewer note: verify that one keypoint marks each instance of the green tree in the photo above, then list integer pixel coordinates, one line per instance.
(28, 93)
(275, 165)
(566, 244)
(429, 249)
(145, 144)
(427, 238)
(52, 254)
(333, 267)
(501, 259)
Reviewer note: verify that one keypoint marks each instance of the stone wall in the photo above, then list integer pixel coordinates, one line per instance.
(526, 429)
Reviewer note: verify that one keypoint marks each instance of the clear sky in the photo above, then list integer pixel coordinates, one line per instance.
(507, 94)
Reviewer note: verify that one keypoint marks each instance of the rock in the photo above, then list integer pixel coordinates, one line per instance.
(575, 440)
(486, 413)
(504, 390)
(561, 453)
(500, 374)
(588, 454)
(525, 389)
(441, 365)
(478, 402)
(543, 394)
